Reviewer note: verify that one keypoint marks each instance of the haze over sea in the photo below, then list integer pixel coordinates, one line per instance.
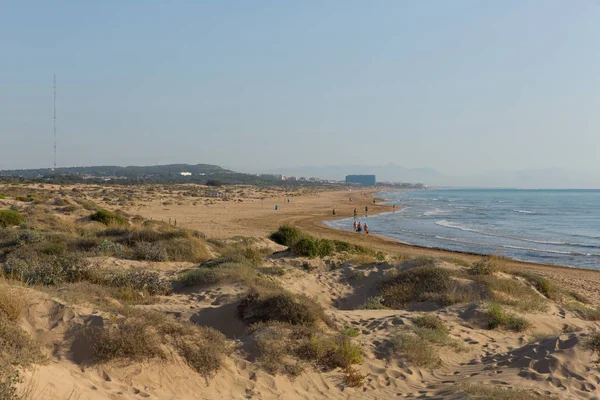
(560, 227)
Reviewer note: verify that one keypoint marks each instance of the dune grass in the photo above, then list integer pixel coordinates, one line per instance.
(143, 335)
(490, 392)
(499, 318)
(415, 350)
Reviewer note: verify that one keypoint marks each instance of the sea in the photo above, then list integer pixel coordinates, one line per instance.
(560, 227)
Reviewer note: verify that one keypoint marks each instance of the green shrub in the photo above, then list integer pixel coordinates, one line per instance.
(542, 284)
(59, 202)
(487, 266)
(286, 235)
(281, 306)
(29, 237)
(150, 252)
(108, 218)
(374, 303)
(151, 282)
(35, 269)
(499, 318)
(430, 322)
(350, 332)
(592, 343)
(415, 285)
(10, 218)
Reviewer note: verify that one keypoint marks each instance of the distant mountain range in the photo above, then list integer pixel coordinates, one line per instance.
(550, 178)
(120, 172)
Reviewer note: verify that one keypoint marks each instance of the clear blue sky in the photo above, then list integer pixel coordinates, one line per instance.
(453, 85)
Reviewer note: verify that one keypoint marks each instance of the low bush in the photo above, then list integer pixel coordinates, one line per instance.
(10, 218)
(415, 350)
(353, 377)
(427, 282)
(147, 251)
(498, 318)
(430, 322)
(350, 332)
(286, 235)
(330, 352)
(374, 303)
(542, 284)
(87, 204)
(110, 248)
(28, 236)
(512, 292)
(108, 218)
(280, 306)
(60, 202)
(142, 335)
(592, 343)
(35, 269)
(302, 244)
(12, 303)
(487, 266)
(150, 282)
(222, 273)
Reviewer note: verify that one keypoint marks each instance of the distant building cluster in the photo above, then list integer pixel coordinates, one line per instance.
(365, 180)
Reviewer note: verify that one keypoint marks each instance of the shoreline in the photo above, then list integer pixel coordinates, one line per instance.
(437, 249)
(469, 253)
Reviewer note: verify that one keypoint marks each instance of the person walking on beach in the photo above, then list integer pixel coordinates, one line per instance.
(359, 228)
(334, 212)
(355, 213)
(366, 210)
(366, 228)
(354, 226)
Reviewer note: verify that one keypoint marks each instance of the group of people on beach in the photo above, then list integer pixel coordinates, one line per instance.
(358, 227)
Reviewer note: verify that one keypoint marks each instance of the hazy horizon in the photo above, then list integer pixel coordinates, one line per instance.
(460, 87)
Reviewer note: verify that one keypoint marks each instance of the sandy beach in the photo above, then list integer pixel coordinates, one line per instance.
(215, 259)
(309, 211)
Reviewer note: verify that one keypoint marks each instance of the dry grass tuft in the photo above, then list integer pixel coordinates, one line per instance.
(12, 302)
(488, 392)
(142, 335)
(415, 350)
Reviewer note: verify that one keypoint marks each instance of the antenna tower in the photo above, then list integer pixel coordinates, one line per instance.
(54, 122)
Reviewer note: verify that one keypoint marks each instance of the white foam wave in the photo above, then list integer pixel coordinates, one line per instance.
(453, 225)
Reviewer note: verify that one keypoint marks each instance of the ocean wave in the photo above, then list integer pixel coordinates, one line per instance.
(436, 211)
(453, 225)
(573, 253)
(524, 212)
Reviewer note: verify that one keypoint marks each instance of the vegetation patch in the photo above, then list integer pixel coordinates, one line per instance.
(592, 343)
(302, 244)
(498, 318)
(425, 282)
(488, 266)
(10, 218)
(108, 218)
(280, 306)
(142, 335)
(512, 292)
(288, 349)
(374, 303)
(489, 392)
(415, 350)
(542, 284)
